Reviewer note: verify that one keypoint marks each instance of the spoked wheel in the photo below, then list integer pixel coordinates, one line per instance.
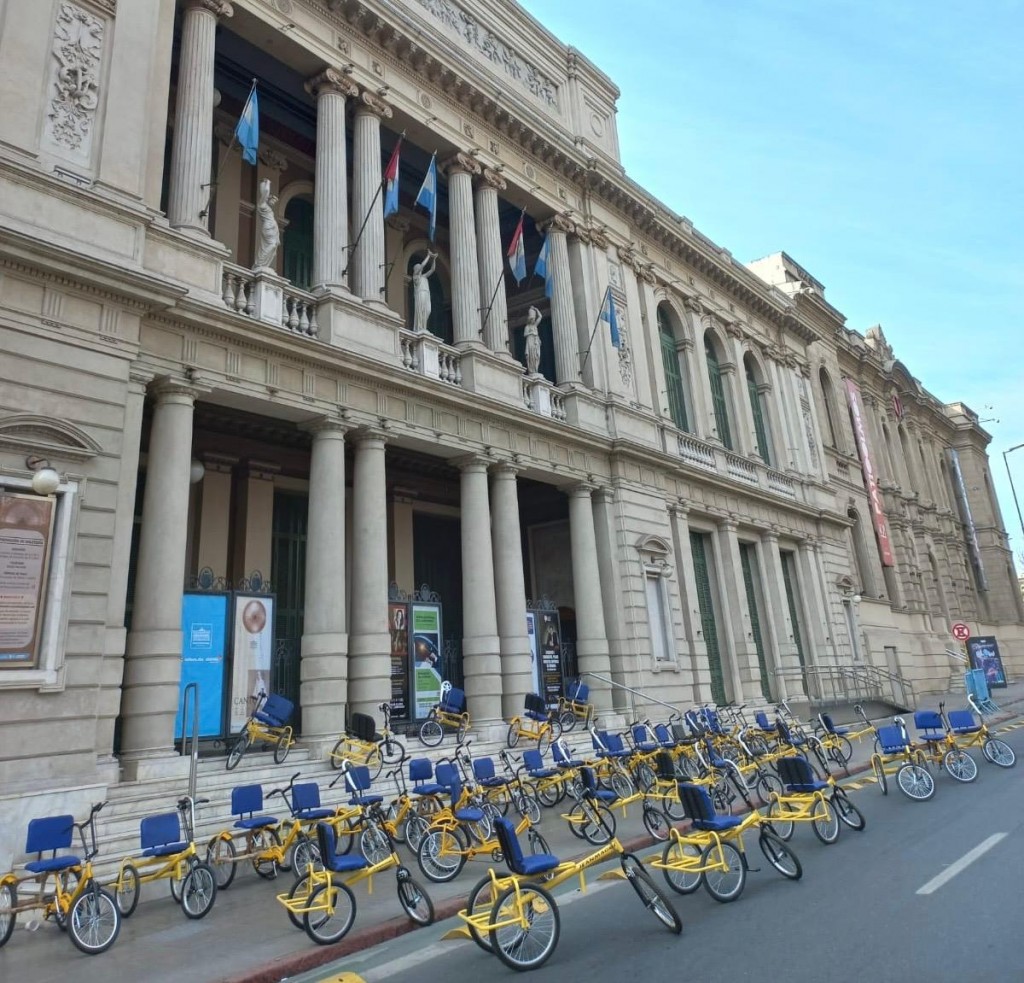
(238, 750)
(414, 900)
(838, 759)
(843, 746)
(305, 853)
(779, 855)
(94, 921)
(825, 821)
(415, 829)
(879, 769)
(568, 720)
(375, 762)
(198, 891)
(656, 822)
(593, 830)
(682, 881)
(915, 782)
(538, 844)
(8, 902)
(69, 884)
(960, 765)
(725, 873)
(644, 777)
(302, 888)
(392, 751)
(392, 817)
(482, 899)
(333, 910)
(262, 841)
(847, 812)
(777, 812)
(283, 746)
(374, 845)
(526, 805)
(766, 783)
(621, 784)
(999, 753)
(462, 730)
(431, 732)
(529, 929)
(440, 856)
(126, 891)
(653, 900)
(220, 855)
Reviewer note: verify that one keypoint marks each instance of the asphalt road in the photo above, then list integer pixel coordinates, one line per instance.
(858, 913)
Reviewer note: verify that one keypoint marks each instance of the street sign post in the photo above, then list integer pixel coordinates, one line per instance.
(961, 632)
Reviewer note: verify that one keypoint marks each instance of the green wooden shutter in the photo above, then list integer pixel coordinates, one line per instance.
(789, 579)
(673, 376)
(298, 243)
(759, 428)
(707, 614)
(747, 560)
(718, 396)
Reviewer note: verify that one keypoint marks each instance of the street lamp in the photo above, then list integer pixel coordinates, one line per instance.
(1013, 490)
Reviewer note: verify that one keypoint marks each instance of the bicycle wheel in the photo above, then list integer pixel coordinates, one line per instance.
(999, 753)
(600, 825)
(544, 739)
(879, 769)
(757, 744)
(261, 841)
(414, 900)
(302, 888)
(647, 891)
(8, 916)
(673, 806)
(548, 792)
(392, 750)
(238, 749)
(960, 765)
(644, 777)
(338, 754)
(780, 856)
(825, 821)
(198, 891)
(568, 720)
(686, 855)
(765, 783)
(915, 782)
(126, 893)
(94, 920)
(220, 855)
(621, 784)
(843, 746)
(835, 756)
(538, 844)
(375, 762)
(462, 729)
(531, 926)
(283, 746)
(656, 822)
(847, 812)
(415, 829)
(431, 732)
(374, 845)
(481, 899)
(512, 735)
(723, 883)
(305, 853)
(777, 812)
(336, 911)
(440, 856)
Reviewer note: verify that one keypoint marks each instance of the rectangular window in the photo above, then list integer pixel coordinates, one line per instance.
(662, 648)
(699, 547)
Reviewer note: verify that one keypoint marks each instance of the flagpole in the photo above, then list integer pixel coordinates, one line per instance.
(369, 211)
(501, 278)
(231, 146)
(586, 354)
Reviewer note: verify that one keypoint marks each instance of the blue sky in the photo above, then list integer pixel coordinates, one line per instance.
(878, 143)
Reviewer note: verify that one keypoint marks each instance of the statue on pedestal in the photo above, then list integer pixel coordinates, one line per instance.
(532, 341)
(421, 273)
(268, 234)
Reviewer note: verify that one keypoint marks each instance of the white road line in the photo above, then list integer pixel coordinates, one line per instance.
(964, 862)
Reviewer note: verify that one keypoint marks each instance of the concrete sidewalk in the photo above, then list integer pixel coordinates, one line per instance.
(248, 936)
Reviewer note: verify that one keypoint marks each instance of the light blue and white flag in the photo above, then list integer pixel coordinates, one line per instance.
(427, 197)
(608, 314)
(247, 132)
(542, 267)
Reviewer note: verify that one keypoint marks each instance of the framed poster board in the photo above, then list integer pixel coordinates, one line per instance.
(398, 628)
(425, 621)
(26, 532)
(983, 651)
(549, 638)
(204, 649)
(531, 634)
(252, 642)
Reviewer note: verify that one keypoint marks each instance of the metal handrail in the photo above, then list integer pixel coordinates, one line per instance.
(850, 683)
(631, 691)
(191, 689)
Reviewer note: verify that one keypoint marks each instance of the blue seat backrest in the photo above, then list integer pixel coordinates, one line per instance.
(327, 841)
(358, 778)
(533, 759)
(662, 734)
(560, 754)
(578, 692)
(961, 718)
(420, 770)
(278, 707)
(455, 701)
(640, 734)
(666, 769)
(509, 843)
(783, 730)
(599, 739)
(362, 727)
(160, 830)
(696, 802)
(305, 796)
(534, 703)
(49, 833)
(892, 737)
(588, 779)
(483, 768)
(928, 720)
(614, 743)
(711, 716)
(446, 774)
(246, 799)
(694, 723)
(827, 722)
(794, 770)
(762, 720)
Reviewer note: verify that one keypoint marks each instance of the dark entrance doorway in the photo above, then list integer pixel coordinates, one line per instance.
(437, 561)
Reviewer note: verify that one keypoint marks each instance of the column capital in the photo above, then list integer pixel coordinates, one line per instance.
(472, 463)
(331, 80)
(490, 178)
(219, 8)
(771, 535)
(605, 495)
(167, 389)
(461, 163)
(506, 469)
(559, 222)
(326, 426)
(370, 102)
(139, 376)
(362, 436)
(729, 525)
(582, 489)
(680, 508)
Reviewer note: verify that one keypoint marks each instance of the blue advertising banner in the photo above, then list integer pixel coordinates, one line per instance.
(204, 622)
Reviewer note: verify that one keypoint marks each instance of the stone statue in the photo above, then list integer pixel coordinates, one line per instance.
(268, 235)
(421, 291)
(532, 341)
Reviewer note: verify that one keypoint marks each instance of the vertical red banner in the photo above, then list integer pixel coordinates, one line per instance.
(870, 482)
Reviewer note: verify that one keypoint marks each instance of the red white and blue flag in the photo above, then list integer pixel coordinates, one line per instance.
(391, 182)
(516, 252)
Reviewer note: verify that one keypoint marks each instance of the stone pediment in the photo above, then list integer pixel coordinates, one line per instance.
(30, 433)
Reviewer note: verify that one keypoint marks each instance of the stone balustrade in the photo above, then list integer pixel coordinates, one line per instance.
(781, 483)
(741, 469)
(267, 297)
(696, 452)
(426, 354)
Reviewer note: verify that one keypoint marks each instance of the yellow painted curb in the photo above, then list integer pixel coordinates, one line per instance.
(456, 933)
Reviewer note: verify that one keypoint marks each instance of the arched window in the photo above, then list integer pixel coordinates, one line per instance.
(298, 243)
(861, 557)
(439, 322)
(673, 370)
(828, 396)
(908, 461)
(757, 406)
(718, 399)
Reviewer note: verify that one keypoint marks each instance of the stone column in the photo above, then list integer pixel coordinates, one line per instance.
(510, 591)
(784, 653)
(149, 700)
(817, 604)
(324, 665)
(563, 310)
(491, 260)
(461, 170)
(368, 200)
(481, 661)
(789, 453)
(742, 669)
(330, 191)
(611, 597)
(192, 145)
(369, 642)
(705, 424)
(745, 436)
(693, 625)
(591, 638)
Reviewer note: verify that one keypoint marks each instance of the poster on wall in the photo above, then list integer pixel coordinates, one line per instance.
(426, 656)
(26, 528)
(204, 638)
(984, 654)
(252, 645)
(549, 633)
(531, 633)
(398, 627)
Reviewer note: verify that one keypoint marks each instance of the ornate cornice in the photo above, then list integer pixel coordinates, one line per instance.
(370, 102)
(493, 179)
(219, 8)
(559, 222)
(332, 80)
(462, 163)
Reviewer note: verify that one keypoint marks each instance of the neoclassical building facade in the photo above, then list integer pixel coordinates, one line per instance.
(740, 500)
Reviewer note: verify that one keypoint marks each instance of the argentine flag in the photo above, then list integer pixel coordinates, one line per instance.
(427, 197)
(608, 314)
(516, 253)
(247, 132)
(541, 267)
(391, 182)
